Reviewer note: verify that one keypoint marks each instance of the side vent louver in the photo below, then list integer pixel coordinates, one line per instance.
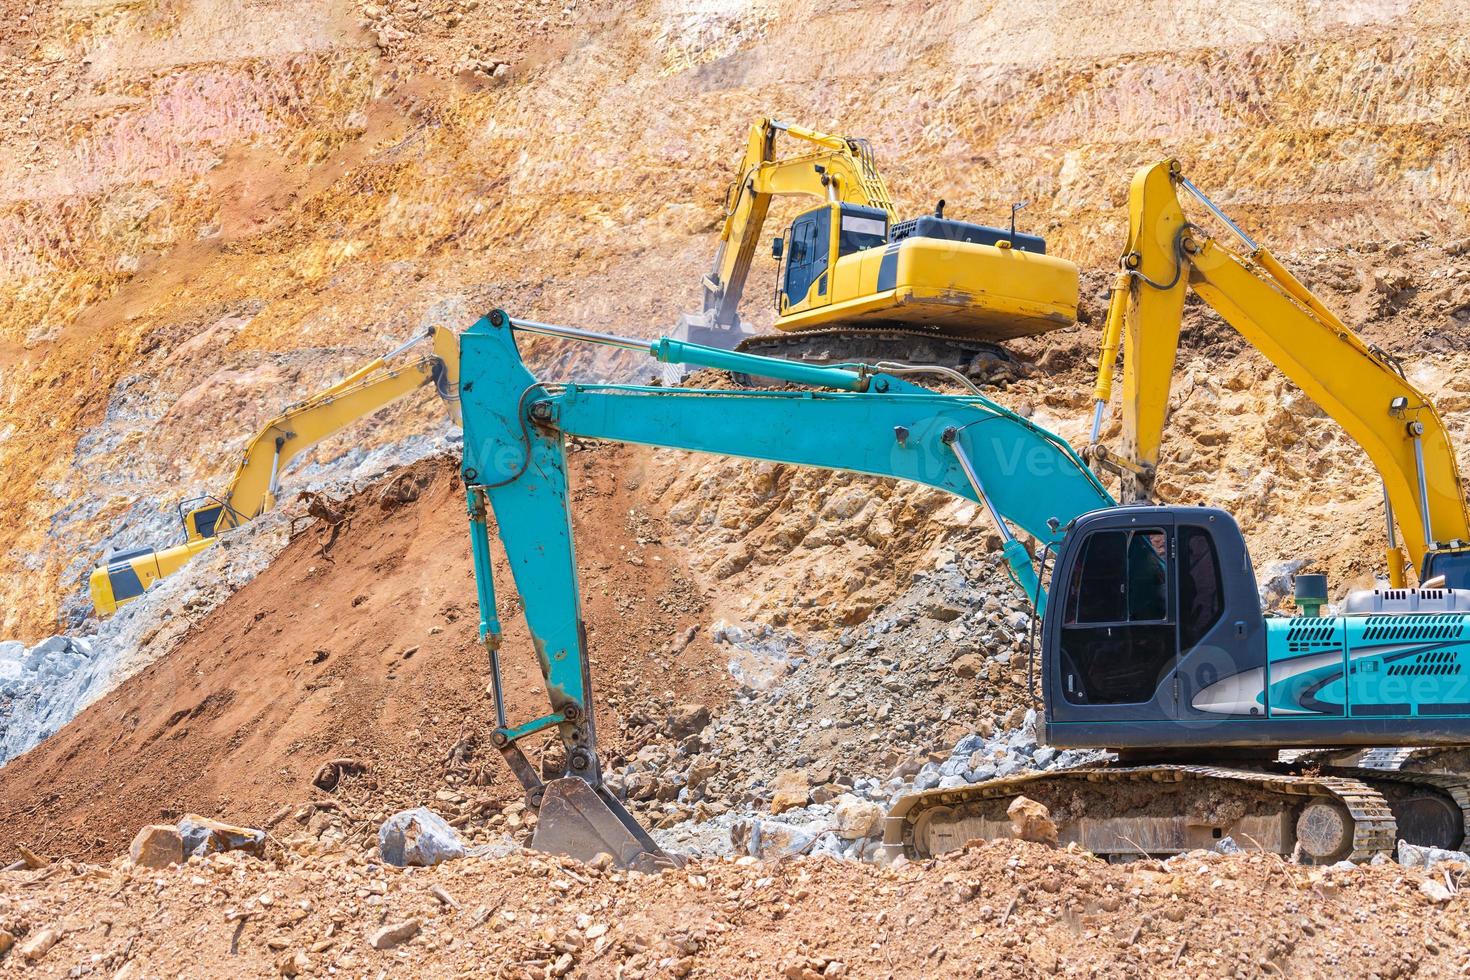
(1443, 626)
(1308, 633)
(1435, 663)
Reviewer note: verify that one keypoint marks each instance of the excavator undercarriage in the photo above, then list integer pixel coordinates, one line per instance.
(874, 345)
(1123, 811)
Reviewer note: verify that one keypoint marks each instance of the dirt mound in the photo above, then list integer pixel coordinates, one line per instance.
(358, 643)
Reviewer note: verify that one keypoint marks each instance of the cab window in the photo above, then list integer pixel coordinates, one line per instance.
(1118, 638)
(1201, 593)
(1121, 578)
(861, 230)
(807, 253)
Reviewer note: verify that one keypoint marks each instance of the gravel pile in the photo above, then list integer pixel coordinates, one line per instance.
(930, 691)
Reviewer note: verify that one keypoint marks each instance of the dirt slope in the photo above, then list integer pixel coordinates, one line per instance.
(368, 651)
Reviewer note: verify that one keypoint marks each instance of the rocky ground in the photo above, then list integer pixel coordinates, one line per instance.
(1002, 909)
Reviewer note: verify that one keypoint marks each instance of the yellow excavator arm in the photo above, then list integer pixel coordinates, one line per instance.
(837, 168)
(252, 491)
(1359, 386)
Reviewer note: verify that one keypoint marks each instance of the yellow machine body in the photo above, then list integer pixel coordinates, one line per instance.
(992, 291)
(850, 261)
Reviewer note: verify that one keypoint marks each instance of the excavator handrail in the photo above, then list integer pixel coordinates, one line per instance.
(1360, 386)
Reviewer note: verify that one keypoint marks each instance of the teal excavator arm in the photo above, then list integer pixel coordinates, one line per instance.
(515, 464)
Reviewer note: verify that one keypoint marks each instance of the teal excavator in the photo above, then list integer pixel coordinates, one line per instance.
(1154, 644)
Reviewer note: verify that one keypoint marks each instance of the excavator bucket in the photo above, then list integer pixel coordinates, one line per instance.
(582, 821)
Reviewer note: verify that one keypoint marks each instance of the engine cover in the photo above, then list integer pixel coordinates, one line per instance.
(1368, 602)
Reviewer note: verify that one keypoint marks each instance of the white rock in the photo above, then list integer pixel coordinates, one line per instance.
(1416, 856)
(855, 818)
(928, 777)
(772, 839)
(11, 675)
(418, 838)
(1435, 891)
(391, 935)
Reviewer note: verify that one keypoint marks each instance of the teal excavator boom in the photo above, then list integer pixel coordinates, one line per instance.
(852, 418)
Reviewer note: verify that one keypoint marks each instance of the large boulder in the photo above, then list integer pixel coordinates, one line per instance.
(418, 838)
(687, 719)
(772, 839)
(791, 791)
(968, 666)
(854, 817)
(47, 648)
(203, 836)
(1031, 821)
(1417, 856)
(157, 846)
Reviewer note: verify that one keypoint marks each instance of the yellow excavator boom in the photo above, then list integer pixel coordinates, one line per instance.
(253, 488)
(837, 168)
(1359, 386)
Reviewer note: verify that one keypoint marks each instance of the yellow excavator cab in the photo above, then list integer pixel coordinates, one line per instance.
(930, 272)
(204, 521)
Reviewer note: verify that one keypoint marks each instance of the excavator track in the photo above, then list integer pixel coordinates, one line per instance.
(906, 345)
(1444, 759)
(1428, 788)
(1159, 810)
(1432, 808)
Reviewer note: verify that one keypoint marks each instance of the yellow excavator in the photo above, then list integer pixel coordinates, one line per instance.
(854, 281)
(252, 491)
(1359, 385)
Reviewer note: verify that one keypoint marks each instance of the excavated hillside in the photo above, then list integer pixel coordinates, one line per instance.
(358, 643)
(209, 208)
